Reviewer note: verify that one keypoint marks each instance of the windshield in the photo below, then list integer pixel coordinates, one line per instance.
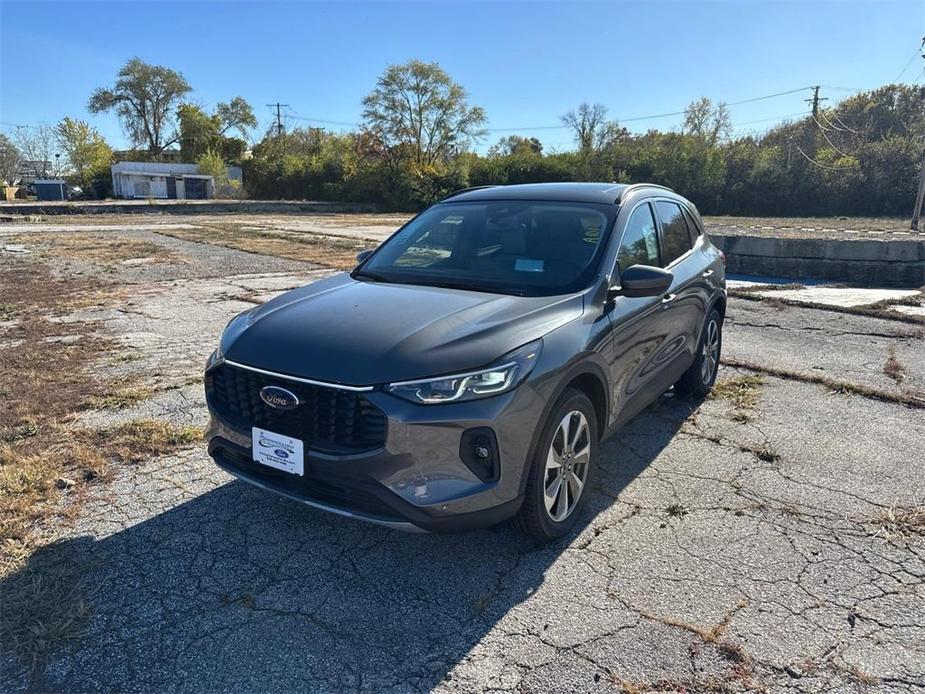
(525, 248)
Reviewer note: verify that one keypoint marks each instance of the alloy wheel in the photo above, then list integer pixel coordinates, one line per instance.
(567, 464)
(710, 352)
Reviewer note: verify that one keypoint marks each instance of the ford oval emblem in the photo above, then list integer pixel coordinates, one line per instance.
(280, 398)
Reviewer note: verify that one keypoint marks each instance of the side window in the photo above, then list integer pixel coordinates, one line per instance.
(676, 239)
(640, 240)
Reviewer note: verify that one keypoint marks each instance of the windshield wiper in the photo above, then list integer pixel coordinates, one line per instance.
(374, 276)
(475, 288)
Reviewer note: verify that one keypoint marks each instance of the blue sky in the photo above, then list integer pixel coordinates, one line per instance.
(525, 63)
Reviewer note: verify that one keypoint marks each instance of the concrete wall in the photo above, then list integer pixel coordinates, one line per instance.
(893, 263)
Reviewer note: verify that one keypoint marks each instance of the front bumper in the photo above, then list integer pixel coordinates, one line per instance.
(417, 479)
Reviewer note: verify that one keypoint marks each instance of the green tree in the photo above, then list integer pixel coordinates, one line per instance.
(88, 155)
(212, 164)
(516, 144)
(145, 98)
(236, 115)
(10, 160)
(418, 111)
(201, 133)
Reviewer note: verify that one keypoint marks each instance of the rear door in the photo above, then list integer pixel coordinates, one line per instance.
(684, 305)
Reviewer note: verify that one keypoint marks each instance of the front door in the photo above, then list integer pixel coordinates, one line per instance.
(639, 330)
(171, 188)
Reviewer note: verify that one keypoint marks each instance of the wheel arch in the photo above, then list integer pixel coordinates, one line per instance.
(587, 377)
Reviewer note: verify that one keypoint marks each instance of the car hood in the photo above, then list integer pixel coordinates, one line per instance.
(363, 333)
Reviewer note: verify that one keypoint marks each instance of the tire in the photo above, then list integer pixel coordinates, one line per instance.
(700, 377)
(535, 519)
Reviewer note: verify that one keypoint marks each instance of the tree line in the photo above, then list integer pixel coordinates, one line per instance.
(415, 144)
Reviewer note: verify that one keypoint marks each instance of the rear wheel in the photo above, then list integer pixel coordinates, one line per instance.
(561, 470)
(700, 377)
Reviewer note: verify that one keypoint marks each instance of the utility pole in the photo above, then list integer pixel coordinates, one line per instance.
(279, 118)
(919, 199)
(815, 101)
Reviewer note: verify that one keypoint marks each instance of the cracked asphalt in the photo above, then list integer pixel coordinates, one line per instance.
(698, 564)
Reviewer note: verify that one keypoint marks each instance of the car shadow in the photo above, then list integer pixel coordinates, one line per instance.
(238, 589)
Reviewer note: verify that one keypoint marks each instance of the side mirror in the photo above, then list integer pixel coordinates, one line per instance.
(363, 255)
(642, 280)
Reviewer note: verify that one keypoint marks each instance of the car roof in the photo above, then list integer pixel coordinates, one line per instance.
(601, 193)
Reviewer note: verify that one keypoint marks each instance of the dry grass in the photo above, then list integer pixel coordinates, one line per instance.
(119, 395)
(742, 392)
(41, 384)
(712, 635)
(43, 460)
(876, 310)
(336, 253)
(893, 368)
(900, 525)
(44, 601)
(103, 248)
(796, 226)
(907, 398)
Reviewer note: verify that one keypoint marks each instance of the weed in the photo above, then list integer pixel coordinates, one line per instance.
(910, 399)
(899, 525)
(743, 392)
(677, 511)
(893, 368)
(873, 311)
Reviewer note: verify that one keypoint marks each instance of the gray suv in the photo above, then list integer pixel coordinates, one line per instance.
(466, 370)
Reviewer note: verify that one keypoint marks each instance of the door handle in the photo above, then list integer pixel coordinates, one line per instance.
(708, 273)
(668, 299)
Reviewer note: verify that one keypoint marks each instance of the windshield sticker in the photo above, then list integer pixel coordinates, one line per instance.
(528, 265)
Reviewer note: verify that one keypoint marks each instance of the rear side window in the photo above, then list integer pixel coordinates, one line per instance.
(692, 225)
(676, 238)
(640, 240)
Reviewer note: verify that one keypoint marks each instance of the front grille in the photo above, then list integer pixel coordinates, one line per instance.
(329, 420)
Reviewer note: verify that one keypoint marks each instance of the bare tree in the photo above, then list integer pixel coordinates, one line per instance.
(707, 122)
(39, 149)
(145, 98)
(586, 123)
(10, 160)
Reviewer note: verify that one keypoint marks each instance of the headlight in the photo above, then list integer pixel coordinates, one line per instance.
(509, 373)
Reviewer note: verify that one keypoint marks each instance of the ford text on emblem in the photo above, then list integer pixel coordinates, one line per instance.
(280, 398)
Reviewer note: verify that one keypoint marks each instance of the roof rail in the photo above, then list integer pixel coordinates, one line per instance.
(468, 190)
(630, 188)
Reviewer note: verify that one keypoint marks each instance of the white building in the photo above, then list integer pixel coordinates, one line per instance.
(142, 179)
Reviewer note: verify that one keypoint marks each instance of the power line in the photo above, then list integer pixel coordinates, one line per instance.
(658, 115)
(819, 164)
(769, 96)
(835, 116)
(322, 120)
(915, 55)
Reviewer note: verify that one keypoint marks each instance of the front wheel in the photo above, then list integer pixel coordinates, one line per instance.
(700, 377)
(561, 470)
